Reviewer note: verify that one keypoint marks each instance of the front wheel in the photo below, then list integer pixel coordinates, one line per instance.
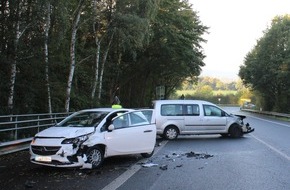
(236, 131)
(170, 133)
(95, 156)
(147, 155)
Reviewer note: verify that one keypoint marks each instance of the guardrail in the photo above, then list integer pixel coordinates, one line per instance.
(275, 114)
(16, 131)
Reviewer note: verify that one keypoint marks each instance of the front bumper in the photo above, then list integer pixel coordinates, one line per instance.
(65, 157)
(247, 129)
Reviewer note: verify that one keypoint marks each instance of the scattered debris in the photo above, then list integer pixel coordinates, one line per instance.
(198, 155)
(164, 167)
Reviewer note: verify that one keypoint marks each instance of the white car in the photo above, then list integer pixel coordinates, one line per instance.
(86, 137)
(196, 117)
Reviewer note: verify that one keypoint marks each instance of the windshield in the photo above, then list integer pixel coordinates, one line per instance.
(84, 119)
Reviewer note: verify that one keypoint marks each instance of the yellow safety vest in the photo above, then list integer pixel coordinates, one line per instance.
(116, 106)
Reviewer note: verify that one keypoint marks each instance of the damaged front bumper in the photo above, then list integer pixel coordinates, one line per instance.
(65, 157)
(247, 128)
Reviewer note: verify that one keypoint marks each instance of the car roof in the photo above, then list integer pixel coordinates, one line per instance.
(183, 102)
(105, 109)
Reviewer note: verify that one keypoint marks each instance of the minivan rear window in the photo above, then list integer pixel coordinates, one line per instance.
(180, 110)
(171, 109)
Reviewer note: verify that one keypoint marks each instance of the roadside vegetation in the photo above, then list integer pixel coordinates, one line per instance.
(216, 91)
(68, 55)
(266, 69)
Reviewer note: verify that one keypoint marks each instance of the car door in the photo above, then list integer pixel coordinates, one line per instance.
(132, 134)
(193, 120)
(214, 118)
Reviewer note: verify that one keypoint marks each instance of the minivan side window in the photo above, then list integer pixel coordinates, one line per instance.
(210, 110)
(192, 109)
(171, 110)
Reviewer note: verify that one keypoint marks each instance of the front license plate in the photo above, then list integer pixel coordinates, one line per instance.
(43, 158)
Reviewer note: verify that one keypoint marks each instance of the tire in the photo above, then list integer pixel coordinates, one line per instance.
(147, 155)
(170, 133)
(95, 156)
(235, 131)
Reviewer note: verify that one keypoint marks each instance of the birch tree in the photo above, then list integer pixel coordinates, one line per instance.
(46, 53)
(97, 54)
(17, 35)
(75, 25)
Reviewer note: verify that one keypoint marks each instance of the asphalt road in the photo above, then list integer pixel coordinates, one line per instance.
(258, 161)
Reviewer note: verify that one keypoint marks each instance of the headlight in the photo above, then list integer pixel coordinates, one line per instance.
(240, 121)
(76, 140)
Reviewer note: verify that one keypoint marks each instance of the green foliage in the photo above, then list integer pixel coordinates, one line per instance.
(154, 42)
(215, 90)
(267, 67)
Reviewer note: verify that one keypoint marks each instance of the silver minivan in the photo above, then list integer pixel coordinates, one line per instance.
(196, 117)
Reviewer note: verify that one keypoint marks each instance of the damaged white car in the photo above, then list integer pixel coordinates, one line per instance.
(86, 137)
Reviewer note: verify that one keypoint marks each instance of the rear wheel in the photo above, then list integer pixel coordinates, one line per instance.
(95, 156)
(170, 133)
(236, 131)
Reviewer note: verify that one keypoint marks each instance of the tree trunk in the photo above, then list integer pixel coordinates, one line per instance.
(97, 60)
(46, 30)
(103, 66)
(72, 53)
(13, 70)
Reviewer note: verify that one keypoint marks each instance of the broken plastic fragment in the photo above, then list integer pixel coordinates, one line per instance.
(148, 165)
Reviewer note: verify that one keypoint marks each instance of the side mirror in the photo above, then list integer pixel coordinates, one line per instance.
(111, 127)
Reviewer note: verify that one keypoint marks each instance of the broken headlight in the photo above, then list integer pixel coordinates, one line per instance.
(76, 140)
(240, 121)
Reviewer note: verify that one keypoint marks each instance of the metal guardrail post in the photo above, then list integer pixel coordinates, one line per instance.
(16, 129)
(38, 123)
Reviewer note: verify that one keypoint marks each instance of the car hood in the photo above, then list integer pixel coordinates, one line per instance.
(65, 132)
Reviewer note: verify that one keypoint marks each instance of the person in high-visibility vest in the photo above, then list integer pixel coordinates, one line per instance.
(116, 103)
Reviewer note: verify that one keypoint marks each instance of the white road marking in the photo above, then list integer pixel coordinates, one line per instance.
(271, 147)
(116, 183)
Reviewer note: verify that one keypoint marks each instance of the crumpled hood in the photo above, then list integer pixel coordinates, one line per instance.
(66, 132)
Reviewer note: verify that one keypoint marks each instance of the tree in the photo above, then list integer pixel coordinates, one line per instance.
(267, 67)
(75, 25)
(174, 52)
(57, 55)
(46, 53)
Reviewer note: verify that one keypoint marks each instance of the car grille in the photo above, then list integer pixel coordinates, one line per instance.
(45, 150)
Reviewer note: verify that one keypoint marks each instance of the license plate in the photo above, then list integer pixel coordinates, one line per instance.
(43, 158)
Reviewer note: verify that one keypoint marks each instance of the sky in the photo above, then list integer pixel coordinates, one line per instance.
(234, 28)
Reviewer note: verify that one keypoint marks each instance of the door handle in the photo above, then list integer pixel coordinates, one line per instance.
(147, 131)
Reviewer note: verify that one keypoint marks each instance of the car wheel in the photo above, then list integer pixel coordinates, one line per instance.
(95, 156)
(236, 131)
(170, 133)
(147, 155)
